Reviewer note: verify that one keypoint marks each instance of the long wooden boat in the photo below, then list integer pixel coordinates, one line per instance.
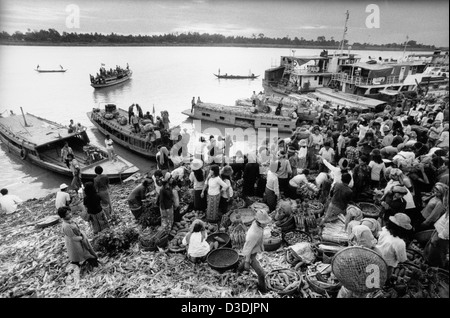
(40, 141)
(113, 80)
(50, 71)
(237, 76)
(124, 135)
(243, 116)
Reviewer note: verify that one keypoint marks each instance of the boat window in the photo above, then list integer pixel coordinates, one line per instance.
(287, 126)
(222, 118)
(206, 115)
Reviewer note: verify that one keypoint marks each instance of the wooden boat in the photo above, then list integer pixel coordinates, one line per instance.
(40, 141)
(236, 76)
(242, 116)
(124, 135)
(112, 80)
(50, 71)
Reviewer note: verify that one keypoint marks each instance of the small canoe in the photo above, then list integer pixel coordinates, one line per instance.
(236, 76)
(50, 71)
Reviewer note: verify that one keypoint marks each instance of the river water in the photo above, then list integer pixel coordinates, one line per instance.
(164, 77)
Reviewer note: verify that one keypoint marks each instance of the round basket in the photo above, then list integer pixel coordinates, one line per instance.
(246, 216)
(424, 236)
(321, 287)
(48, 221)
(222, 236)
(296, 236)
(360, 269)
(222, 259)
(369, 210)
(283, 287)
(272, 243)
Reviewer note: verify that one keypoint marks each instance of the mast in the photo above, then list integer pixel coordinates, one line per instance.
(341, 45)
(24, 119)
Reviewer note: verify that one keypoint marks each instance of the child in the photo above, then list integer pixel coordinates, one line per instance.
(196, 245)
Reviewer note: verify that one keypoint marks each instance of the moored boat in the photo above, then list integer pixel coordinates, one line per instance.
(40, 141)
(109, 122)
(246, 117)
(226, 76)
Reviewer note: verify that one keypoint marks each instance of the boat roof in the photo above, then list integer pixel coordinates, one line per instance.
(38, 131)
(372, 66)
(242, 110)
(346, 98)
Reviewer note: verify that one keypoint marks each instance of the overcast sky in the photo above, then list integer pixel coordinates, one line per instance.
(426, 22)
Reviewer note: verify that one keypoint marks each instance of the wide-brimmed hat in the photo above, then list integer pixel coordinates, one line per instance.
(303, 143)
(227, 171)
(196, 164)
(379, 120)
(386, 128)
(402, 220)
(399, 189)
(63, 186)
(262, 217)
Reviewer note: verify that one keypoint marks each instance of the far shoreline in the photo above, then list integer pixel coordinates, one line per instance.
(368, 48)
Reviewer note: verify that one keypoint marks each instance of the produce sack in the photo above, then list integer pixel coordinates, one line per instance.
(148, 127)
(123, 121)
(304, 250)
(108, 116)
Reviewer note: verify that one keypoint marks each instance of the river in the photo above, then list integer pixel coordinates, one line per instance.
(164, 77)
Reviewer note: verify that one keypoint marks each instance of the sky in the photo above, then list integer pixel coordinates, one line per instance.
(426, 22)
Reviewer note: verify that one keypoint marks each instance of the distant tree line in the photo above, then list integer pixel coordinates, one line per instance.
(52, 36)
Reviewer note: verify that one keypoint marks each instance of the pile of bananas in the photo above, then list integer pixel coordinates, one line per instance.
(283, 280)
(237, 236)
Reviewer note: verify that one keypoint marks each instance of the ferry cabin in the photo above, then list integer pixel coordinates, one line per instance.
(305, 74)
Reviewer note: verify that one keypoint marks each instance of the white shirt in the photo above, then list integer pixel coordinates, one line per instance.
(327, 154)
(298, 180)
(178, 173)
(214, 185)
(441, 226)
(197, 247)
(61, 199)
(8, 203)
(408, 196)
(393, 249)
(229, 189)
(336, 173)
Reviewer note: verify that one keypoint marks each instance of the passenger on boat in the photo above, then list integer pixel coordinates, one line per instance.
(150, 140)
(80, 128)
(71, 126)
(192, 104)
(135, 122)
(165, 119)
(110, 148)
(199, 100)
(76, 171)
(130, 111)
(149, 116)
(279, 107)
(139, 109)
(254, 99)
(64, 152)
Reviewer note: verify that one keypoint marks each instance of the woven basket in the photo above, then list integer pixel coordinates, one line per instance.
(272, 244)
(296, 236)
(224, 236)
(246, 216)
(316, 207)
(222, 259)
(359, 269)
(369, 210)
(294, 284)
(48, 221)
(292, 257)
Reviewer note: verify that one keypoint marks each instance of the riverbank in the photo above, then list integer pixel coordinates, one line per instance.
(366, 48)
(34, 262)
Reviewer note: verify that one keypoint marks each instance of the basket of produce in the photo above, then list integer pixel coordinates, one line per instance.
(315, 207)
(219, 239)
(246, 216)
(283, 281)
(424, 236)
(296, 236)
(222, 259)
(321, 279)
(415, 257)
(369, 210)
(48, 221)
(237, 236)
(273, 243)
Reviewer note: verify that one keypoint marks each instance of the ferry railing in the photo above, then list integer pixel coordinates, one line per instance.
(359, 80)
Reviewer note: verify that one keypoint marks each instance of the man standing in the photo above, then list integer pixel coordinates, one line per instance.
(8, 202)
(64, 152)
(341, 197)
(76, 172)
(254, 244)
(62, 197)
(101, 184)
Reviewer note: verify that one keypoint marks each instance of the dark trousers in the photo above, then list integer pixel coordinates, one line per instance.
(284, 185)
(258, 269)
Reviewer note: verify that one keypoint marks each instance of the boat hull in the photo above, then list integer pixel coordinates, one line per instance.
(235, 76)
(50, 71)
(119, 170)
